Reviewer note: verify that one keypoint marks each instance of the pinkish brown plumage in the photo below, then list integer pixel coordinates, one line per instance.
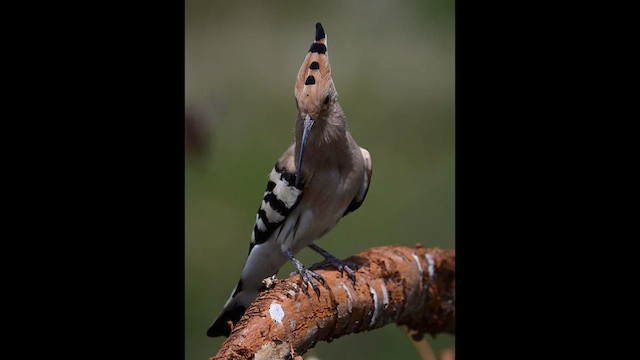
(314, 81)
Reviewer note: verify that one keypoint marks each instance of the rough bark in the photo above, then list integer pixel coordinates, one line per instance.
(407, 286)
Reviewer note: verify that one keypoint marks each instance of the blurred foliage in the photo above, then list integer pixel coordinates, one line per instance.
(393, 66)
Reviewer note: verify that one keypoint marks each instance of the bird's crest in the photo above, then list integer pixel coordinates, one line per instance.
(314, 82)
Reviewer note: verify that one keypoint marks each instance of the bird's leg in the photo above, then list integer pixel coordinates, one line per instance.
(307, 275)
(341, 265)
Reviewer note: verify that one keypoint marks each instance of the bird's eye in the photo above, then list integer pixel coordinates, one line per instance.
(326, 100)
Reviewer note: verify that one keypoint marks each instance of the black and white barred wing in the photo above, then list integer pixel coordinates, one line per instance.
(280, 198)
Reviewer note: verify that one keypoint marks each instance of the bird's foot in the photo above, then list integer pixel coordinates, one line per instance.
(342, 266)
(308, 276)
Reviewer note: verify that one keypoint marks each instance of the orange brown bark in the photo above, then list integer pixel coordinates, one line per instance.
(407, 286)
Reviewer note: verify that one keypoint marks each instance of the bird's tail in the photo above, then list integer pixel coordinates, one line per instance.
(232, 311)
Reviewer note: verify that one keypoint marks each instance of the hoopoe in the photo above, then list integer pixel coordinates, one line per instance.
(323, 176)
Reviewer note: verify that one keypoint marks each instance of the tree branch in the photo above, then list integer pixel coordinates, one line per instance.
(407, 286)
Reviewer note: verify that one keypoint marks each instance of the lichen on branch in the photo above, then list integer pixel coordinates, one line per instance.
(395, 284)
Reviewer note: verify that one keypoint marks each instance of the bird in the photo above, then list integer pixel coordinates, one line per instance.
(319, 179)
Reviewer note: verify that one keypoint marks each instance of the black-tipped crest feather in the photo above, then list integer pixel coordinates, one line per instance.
(319, 32)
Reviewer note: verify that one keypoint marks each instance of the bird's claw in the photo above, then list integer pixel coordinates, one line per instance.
(310, 277)
(341, 265)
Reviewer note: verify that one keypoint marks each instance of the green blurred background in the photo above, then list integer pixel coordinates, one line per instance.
(393, 66)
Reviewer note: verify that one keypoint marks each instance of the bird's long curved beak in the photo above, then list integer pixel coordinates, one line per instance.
(308, 123)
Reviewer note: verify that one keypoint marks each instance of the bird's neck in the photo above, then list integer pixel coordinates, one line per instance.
(328, 142)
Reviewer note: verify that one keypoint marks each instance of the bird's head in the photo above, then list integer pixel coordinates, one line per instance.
(314, 90)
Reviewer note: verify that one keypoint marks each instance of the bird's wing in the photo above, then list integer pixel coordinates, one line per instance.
(280, 198)
(364, 188)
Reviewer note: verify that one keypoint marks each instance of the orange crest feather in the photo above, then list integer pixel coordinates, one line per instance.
(314, 77)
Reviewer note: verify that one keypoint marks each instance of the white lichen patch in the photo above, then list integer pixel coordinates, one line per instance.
(270, 282)
(385, 295)
(431, 264)
(273, 350)
(415, 257)
(294, 285)
(276, 312)
(350, 303)
(375, 305)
